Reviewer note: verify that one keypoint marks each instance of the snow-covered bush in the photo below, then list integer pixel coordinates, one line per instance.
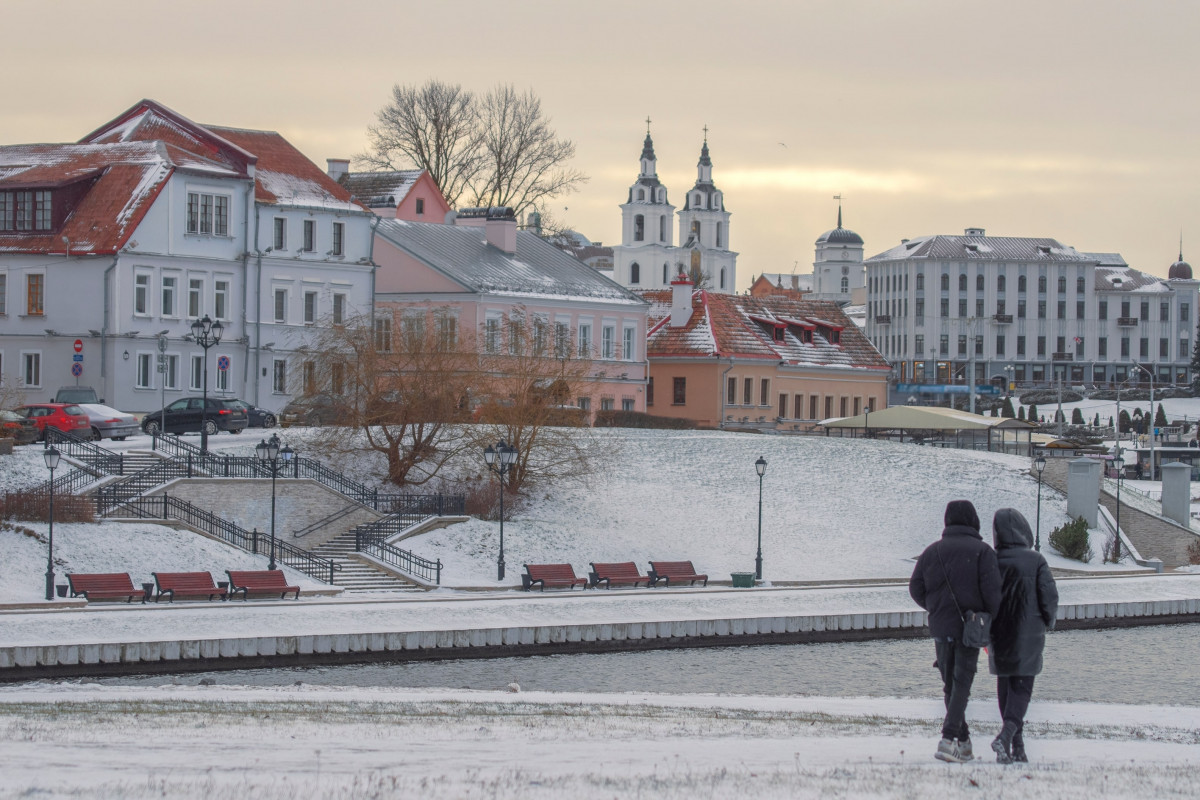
(1071, 540)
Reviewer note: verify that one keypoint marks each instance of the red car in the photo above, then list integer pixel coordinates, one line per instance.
(67, 417)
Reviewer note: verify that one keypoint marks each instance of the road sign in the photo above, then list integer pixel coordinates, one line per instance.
(77, 358)
(77, 369)
(79, 345)
(223, 363)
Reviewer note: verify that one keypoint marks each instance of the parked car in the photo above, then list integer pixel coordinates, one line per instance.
(185, 416)
(77, 394)
(259, 417)
(67, 417)
(315, 409)
(18, 428)
(109, 423)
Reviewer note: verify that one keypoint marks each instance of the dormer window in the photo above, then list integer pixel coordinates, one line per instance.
(27, 210)
(207, 214)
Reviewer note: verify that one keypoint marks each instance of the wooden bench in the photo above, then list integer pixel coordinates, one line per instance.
(265, 581)
(104, 586)
(670, 572)
(187, 584)
(551, 575)
(622, 573)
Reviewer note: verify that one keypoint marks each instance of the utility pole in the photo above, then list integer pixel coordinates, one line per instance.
(1060, 411)
(971, 363)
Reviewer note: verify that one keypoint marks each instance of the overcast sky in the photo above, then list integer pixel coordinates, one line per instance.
(1075, 120)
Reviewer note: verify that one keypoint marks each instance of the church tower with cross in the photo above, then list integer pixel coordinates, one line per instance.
(647, 257)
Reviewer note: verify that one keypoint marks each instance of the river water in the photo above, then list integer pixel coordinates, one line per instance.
(1149, 665)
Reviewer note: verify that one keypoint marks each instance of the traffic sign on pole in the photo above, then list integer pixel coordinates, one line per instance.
(223, 363)
(79, 345)
(77, 369)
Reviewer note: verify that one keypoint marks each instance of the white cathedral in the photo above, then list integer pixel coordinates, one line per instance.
(647, 258)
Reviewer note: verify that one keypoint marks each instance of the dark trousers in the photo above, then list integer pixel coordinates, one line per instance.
(957, 663)
(1014, 693)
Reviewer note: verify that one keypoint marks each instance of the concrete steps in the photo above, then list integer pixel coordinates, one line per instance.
(357, 575)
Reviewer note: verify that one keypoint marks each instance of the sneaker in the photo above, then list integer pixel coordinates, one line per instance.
(1002, 754)
(954, 751)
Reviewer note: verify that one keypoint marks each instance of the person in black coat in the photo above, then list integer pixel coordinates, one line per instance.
(956, 574)
(1028, 607)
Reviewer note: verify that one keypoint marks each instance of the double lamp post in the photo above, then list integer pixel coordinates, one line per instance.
(207, 334)
(500, 460)
(269, 452)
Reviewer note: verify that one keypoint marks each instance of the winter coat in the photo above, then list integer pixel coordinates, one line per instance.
(970, 570)
(1029, 599)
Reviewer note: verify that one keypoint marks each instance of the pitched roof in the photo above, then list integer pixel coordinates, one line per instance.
(381, 189)
(982, 248)
(724, 325)
(537, 270)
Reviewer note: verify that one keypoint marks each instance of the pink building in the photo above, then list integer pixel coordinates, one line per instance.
(409, 194)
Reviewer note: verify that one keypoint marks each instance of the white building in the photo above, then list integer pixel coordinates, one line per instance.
(838, 272)
(112, 247)
(647, 257)
(1026, 310)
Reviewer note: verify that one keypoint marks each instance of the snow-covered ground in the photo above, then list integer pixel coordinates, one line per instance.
(305, 742)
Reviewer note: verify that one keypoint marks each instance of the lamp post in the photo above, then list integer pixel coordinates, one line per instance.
(52, 456)
(760, 467)
(1119, 463)
(1150, 425)
(206, 333)
(1039, 464)
(499, 459)
(268, 450)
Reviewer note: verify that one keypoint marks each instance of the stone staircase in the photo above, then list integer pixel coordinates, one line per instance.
(357, 575)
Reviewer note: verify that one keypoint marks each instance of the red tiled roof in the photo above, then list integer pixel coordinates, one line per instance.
(285, 175)
(740, 326)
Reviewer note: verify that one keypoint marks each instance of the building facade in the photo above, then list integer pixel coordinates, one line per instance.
(1026, 310)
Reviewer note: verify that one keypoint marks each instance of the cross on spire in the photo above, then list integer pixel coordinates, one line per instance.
(706, 133)
(647, 124)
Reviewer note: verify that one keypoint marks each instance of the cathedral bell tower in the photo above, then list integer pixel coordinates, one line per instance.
(642, 259)
(704, 229)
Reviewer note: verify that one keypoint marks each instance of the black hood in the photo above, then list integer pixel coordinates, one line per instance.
(962, 512)
(1010, 529)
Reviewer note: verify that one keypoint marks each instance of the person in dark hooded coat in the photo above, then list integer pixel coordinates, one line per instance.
(956, 574)
(1028, 607)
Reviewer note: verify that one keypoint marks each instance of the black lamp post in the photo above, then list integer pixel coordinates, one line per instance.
(499, 460)
(1119, 463)
(206, 333)
(268, 451)
(1039, 464)
(760, 467)
(52, 456)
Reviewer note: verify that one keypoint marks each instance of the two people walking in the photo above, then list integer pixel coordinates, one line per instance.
(959, 574)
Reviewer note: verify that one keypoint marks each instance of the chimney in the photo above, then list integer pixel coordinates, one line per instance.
(337, 167)
(501, 229)
(681, 300)
(975, 232)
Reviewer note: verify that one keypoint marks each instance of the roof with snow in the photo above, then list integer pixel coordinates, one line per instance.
(979, 247)
(538, 269)
(797, 332)
(381, 189)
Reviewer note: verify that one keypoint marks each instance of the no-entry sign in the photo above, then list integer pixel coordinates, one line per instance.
(79, 345)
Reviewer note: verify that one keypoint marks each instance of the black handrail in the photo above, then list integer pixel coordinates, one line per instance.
(93, 455)
(69, 482)
(372, 537)
(321, 523)
(111, 496)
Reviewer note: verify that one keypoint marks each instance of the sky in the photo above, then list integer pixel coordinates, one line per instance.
(1073, 119)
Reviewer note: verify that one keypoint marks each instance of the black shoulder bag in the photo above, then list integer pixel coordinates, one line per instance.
(977, 625)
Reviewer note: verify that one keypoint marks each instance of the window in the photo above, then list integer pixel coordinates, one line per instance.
(337, 377)
(3, 296)
(383, 335)
(845, 283)
(720, 235)
(1020, 309)
(310, 377)
(1020, 345)
(1080, 348)
(1080, 285)
(491, 334)
(1062, 309)
(1145, 309)
(1124, 347)
(1000, 307)
(584, 403)
(339, 309)
(1124, 308)
(207, 214)
(280, 240)
(962, 308)
(41, 211)
(279, 377)
(145, 369)
(310, 307)
(168, 296)
(662, 229)
(920, 281)
(731, 392)
(562, 340)
(35, 295)
(919, 310)
(221, 299)
(1184, 311)
(999, 283)
(1184, 348)
(919, 342)
(979, 307)
(1041, 284)
(1041, 309)
(1062, 284)
(747, 391)
(1080, 309)
(627, 404)
(339, 239)
(1164, 312)
(1041, 347)
(635, 273)
(962, 283)
(639, 228)
(281, 305)
(979, 282)
(6, 211)
(944, 344)
(1021, 283)
(1164, 348)
(141, 294)
(1102, 347)
(945, 282)
(607, 404)
(944, 308)
(585, 340)
(608, 342)
(310, 236)
(962, 344)
(170, 370)
(195, 297)
(1144, 347)
(666, 274)
(31, 370)
(628, 346)
(1060, 345)
(650, 391)
(679, 392)
(447, 331)
(197, 373)
(516, 334)
(1102, 310)
(721, 282)
(764, 392)
(420, 205)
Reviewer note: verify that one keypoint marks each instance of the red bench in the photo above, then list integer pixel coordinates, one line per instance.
(265, 581)
(551, 575)
(187, 584)
(623, 573)
(670, 572)
(104, 586)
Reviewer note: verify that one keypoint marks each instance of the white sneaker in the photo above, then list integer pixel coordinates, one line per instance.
(954, 751)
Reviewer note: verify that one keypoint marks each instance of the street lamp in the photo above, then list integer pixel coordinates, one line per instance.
(268, 451)
(1119, 463)
(1039, 464)
(500, 459)
(52, 456)
(206, 333)
(760, 467)
(1150, 425)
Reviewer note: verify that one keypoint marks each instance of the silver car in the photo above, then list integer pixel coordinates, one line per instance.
(109, 423)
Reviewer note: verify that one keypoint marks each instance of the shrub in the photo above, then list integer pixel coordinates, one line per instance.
(34, 505)
(1071, 540)
(636, 419)
(1193, 552)
(1077, 417)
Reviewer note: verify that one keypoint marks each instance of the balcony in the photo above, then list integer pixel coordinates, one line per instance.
(883, 319)
(1062, 356)
(1005, 318)
(1127, 322)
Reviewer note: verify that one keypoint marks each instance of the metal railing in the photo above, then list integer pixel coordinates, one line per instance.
(108, 498)
(166, 507)
(403, 560)
(94, 456)
(329, 520)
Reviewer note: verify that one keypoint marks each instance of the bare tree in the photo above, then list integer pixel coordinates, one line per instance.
(433, 127)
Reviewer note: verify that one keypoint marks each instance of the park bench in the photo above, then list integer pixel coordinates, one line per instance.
(265, 581)
(187, 584)
(104, 586)
(673, 572)
(619, 573)
(551, 575)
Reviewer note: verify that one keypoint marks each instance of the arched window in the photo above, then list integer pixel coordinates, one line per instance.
(1020, 283)
(697, 201)
(720, 235)
(920, 281)
(979, 282)
(662, 195)
(945, 282)
(845, 285)
(666, 273)
(662, 229)
(1000, 283)
(962, 283)
(722, 277)
(696, 228)
(1062, 284)
(639, 228)
(1042, 284)
(641, 194)
(635, 273)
